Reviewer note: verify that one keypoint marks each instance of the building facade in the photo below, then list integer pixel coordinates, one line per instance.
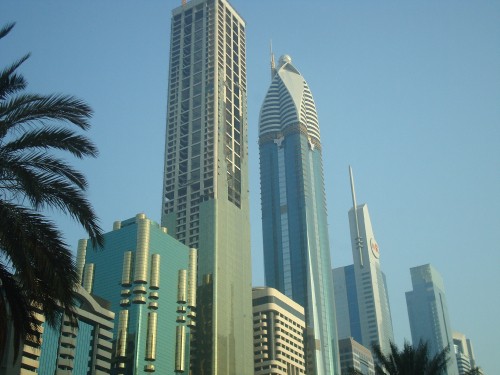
(428, 313)
(205, 190)
(346, 303)
(464, 353)
(279, 329)
(361, 296)
(150, 280)
(78, 347)
(294, 218)
(354, 356)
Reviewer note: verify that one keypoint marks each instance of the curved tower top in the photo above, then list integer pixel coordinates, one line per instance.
(288, 105)
(294, 219)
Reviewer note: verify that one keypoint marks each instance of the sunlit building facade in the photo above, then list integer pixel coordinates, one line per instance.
(354, 356)
(294, 218)
(205, 190)
(279, 330)
(150, 279)
(428, 313)
(79, 347)
(361, 296)
(464, 353)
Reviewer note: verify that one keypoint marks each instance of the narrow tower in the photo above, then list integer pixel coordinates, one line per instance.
(428, 313)
(375, 321)
(205, 189)
(294, 219)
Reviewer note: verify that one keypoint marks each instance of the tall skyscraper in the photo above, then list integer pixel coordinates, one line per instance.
(361, 297)
(205, 191)
(150, 280)
(279, 330)
(294, 219)
(428, 313)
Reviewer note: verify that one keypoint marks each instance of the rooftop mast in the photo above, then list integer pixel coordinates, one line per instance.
(358, 239)
(273, 64)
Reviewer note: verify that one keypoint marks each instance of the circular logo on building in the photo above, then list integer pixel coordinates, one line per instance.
(374, 247)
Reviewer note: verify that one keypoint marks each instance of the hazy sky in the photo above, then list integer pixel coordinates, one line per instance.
(407, 92)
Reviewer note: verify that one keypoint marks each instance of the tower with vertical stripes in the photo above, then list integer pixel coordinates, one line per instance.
(205, 189)
(150, 280)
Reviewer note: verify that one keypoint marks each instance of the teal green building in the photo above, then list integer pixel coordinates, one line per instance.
(150, 280)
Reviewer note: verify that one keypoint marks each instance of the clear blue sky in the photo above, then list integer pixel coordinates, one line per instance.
(407, 92)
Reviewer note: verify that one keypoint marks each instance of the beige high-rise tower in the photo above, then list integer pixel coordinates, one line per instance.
(205, 192)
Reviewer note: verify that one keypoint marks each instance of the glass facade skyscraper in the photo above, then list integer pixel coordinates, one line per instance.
(428, 313)
(294, 219)
(205, 191)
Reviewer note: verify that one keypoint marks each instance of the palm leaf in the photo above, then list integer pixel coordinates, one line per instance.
(53, 138)
(28, 109)
(6, 29)
(36, 265)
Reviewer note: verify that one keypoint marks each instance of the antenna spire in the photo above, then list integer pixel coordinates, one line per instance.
(358, 239)
(273, 64)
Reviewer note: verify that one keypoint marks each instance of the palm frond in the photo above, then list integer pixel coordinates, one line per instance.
(41, 259)
(25, 110)
(53, 138)
(410, 360)
(15, 309)
(6, 29)
(14, 176)
(36, 265)
(49, 190)
(11, 83)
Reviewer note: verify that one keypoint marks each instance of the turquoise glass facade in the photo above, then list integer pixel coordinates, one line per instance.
(428, 313)
(294, 219)
(138, 272)
(49, 350)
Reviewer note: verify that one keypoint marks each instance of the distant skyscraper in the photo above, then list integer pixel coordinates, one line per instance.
(205, 190)
(294, 220)
(355, 356)
(150, 279)
(279, 330)
(361, 297)
(463, 352)
(428, 313)
(74, 347)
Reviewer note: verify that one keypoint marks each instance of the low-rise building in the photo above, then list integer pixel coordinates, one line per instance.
(279, 329)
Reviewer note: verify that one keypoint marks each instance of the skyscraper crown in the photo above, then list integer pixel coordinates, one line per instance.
(289, 103)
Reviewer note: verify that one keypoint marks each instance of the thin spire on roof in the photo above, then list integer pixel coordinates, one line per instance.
(359, 240)
(273, 64)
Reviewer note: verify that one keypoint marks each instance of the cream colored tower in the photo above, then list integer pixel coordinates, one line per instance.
(205, 191)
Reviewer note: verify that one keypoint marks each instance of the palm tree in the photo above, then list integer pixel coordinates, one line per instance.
(474, 371)
(410, 360)
(36, 265)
